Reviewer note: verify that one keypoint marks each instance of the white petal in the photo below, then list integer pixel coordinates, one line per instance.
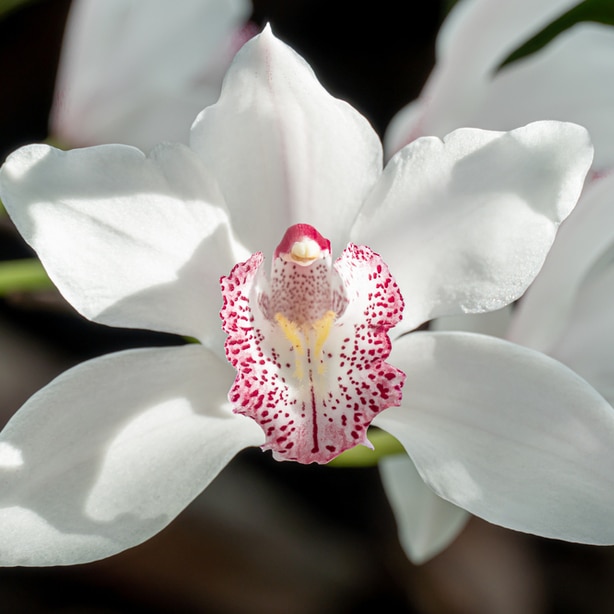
(479, 34)
(494, 323)
(404, 128)
(542, 316)
(465, 224)
(587, 343)
(129, 240)
(110, 452)
(284, 150)
(572, 79)
(507, 433)
(130, 65)
(427, 524)
(473, 41)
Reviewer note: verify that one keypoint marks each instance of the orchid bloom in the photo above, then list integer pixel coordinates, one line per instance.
(566, 312)
(111, 451)
(138, 71)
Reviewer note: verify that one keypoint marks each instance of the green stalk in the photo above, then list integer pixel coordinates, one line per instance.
(22, 275)
(359, 456)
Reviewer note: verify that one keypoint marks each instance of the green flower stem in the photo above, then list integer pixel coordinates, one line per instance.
(22, 275)
(360, 456)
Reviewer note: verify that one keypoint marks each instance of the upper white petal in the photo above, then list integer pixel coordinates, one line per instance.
(465, 224)
(111, 451)
(130, 68)
(129, 240)
(427, 524)
(507, 433)
(284, 150)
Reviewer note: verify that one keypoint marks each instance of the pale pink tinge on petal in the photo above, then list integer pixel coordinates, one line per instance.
(313, 379)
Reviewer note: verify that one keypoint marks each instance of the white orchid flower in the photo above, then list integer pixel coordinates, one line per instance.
(138, 71)
(567, 310)
(112, 450)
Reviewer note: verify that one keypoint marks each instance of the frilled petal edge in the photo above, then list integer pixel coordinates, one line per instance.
(508, 434)
(111, 451)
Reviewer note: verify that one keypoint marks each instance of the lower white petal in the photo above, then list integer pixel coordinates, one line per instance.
(111, 451)
(427, 524)
(507, 433)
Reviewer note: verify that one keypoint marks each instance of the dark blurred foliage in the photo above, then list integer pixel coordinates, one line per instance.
(267, 537)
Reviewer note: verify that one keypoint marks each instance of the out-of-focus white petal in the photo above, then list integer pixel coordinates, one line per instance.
(129, 240)
(587, 343)
(473, 41)
(120, 58)
(479, 34)
(507, 433)
(572, 79)
(427, 524)
(111, 451)
(495, 323)
(541, 318)
(284, 150)
(465, 223)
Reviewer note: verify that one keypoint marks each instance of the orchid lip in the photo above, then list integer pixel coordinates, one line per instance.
(309, 345)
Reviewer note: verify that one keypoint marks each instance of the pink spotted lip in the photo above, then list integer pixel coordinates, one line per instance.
(310, 345)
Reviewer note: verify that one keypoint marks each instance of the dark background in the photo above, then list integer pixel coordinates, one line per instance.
(267, 537)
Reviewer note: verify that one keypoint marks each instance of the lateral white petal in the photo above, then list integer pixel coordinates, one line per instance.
(111, 451)
(284, 150)
(129, 240)
(508, 434)
(427, 524)
(465, 223)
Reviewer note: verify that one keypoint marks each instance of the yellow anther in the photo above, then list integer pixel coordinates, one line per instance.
(295, 336)
(312, 335)
(322, 330)
(291, 331)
